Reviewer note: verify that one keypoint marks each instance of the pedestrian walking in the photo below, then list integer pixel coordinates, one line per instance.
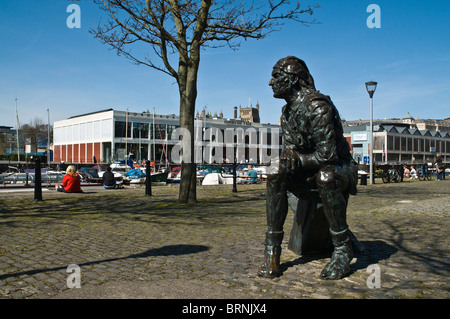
(439, 165)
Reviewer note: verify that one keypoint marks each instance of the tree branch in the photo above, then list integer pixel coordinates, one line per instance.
(175, 26)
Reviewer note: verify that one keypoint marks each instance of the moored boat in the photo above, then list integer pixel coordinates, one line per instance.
(138, 176)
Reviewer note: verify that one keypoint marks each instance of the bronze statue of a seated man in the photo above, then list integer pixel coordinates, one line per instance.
(316, 158)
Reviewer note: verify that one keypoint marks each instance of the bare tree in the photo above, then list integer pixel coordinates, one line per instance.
(176, 31)
(34, 132)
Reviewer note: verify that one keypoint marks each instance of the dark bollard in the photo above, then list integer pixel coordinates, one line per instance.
(37, 180)
(234, 177)
(148, 180)
(363, 179)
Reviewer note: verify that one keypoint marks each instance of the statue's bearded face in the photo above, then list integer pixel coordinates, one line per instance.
(281, 82)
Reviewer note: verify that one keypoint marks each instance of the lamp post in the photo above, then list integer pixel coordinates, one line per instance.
(371, 86)
(48, 139)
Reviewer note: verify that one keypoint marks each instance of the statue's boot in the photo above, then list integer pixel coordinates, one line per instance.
(271, 266)
(339, 265)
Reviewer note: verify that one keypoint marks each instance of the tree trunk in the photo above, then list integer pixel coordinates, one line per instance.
(189, 61)
(188, 95)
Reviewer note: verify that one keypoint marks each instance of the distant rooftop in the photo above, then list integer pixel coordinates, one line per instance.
(75, 116)
(408, 116)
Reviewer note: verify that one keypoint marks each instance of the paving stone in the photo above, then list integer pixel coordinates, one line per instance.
(148, 240)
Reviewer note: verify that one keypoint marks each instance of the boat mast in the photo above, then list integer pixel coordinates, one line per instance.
(48, 139)
(126, 137)
(140, 161)
(154, 154)
(17, 133)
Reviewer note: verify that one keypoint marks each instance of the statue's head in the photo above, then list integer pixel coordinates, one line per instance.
(290, 74)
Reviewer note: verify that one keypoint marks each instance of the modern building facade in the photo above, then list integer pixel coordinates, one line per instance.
(408, 121)
(8, 141)
(110, 135)
(115, 135)
(398, 144)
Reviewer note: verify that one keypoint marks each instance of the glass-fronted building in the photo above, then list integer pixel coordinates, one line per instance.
(110, 135)
(396, 144)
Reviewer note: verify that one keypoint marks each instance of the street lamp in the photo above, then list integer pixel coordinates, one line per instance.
(371, 86)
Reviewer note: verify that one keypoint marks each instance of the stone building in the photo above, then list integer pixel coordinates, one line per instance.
(207, 115)
(249, 114)
(408, 121)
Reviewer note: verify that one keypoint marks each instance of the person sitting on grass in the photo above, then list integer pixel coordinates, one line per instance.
(413, 173)
(407, 172)
(109, 181)
(251, 177)
(71, 182)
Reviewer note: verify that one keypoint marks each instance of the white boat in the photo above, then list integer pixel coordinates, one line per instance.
(176, 177)
(217, 179)
(118, 167)
(138, 176)
(23, 178)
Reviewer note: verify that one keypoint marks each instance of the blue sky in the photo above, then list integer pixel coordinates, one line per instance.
(47, 65)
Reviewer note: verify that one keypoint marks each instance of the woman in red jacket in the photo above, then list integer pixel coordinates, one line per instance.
(71, 182)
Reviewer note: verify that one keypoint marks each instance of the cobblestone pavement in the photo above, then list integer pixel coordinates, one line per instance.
(153, 247)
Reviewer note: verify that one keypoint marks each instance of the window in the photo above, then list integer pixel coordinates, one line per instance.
(69, 134)
(159, 130)
(76, 133)
(89, 130)
(140, 130)
(170, 129)
(397, 143)
(421, 145)
(57, 135)
(97, 128)
(63, 135)
(378, 157)
(403, 143)
(82, 131)
(106, 129)
(378, 142)
(390, 142)
(119, 129)
(393, 157)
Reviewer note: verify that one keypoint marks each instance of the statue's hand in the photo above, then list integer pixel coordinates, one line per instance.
(289, 160)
